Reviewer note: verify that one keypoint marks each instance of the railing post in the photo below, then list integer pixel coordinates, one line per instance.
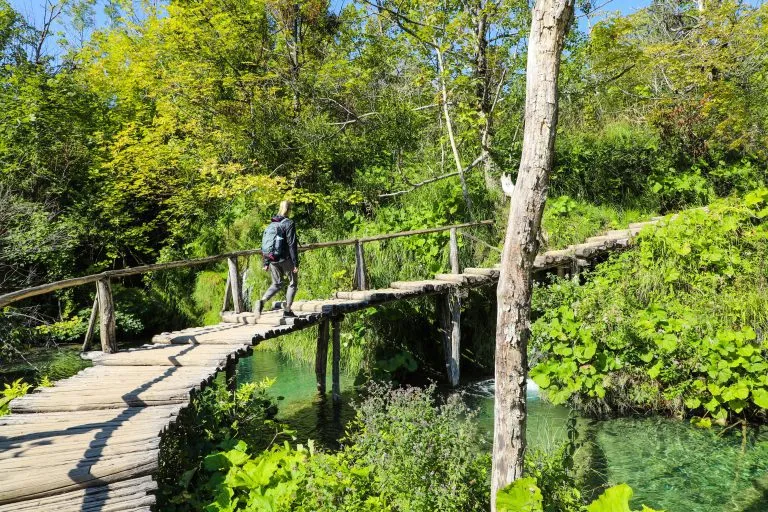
(336, 321)
(227, 293)
(321, 356)
(106, 316)
(454, 254)
(234, 280)
(360, 282)
(91, 322)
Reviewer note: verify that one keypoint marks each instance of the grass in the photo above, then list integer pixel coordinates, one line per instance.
(568, 221)
(55, 363)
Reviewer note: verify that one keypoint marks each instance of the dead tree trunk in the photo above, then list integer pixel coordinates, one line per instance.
(548, 29)
(482, 76)
(449, 125)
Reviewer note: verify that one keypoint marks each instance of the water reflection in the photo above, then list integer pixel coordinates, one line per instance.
(311, 415)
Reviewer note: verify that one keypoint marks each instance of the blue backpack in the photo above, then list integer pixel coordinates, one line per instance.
(273, 241)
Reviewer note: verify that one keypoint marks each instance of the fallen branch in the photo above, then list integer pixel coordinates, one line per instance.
(368, 114)
(482, 242)
(432, 180)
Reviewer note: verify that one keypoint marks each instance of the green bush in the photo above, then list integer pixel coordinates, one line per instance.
(673, 324)
(10, 391)
(568, 221)
(215, 418)
(403, 452)
(613, 165)
(523, 495)
(426, 456)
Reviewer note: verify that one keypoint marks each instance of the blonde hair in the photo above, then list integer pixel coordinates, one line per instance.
(285, 208)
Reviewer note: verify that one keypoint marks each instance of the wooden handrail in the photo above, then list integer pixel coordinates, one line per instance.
(25, 293)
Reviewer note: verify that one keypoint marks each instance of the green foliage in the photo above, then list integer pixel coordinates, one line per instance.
(409, 438)
(209, 295)
(569, 221)
(286, 478)
(611, 166)
(553, 474)
(523, 495)
(403, 452)
(62, 364)
(215, 418)
(646, 332)
(10, 391)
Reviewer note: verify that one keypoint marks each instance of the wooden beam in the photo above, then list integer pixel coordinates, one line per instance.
(321, 356)
(454, 252)
(34, 291)
(336, 375)
(449, 317)
(107, 325)
(91, 322)
(234, 281)
(360, 270)
(231, 374)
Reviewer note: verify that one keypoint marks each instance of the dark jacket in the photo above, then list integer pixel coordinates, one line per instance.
(287, 229)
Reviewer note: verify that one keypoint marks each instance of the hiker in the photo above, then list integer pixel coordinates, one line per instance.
(280, 253)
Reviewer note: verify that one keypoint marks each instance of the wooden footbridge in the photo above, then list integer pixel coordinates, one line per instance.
(91, 442)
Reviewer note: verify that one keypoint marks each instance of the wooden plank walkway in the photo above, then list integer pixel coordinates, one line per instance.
(91, 442)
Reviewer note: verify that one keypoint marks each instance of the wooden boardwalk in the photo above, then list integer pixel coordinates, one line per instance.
(91, 442)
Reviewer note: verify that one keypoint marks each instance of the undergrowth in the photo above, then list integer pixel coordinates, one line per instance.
(405, 451)
(675, 324)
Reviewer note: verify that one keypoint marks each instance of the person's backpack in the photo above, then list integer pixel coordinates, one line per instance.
(273, 241)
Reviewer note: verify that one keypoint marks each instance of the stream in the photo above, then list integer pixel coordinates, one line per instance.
(669, 464)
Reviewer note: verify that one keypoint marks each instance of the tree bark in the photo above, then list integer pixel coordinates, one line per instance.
(548, 29)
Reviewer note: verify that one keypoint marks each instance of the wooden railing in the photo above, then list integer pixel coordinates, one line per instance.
(103, 305)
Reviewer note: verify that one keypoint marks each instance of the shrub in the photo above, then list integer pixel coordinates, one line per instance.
(611, 166)
(567, 221)
(215, 418)
(14, 390)
(426, 456)
(404, 452)
(523, 495)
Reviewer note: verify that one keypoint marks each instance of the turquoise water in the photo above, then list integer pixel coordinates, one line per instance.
(299, 405)
(669, 464)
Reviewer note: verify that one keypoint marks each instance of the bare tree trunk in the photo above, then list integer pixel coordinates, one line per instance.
(482, 77)
(548, 28)
(294, 52)
(449, 127)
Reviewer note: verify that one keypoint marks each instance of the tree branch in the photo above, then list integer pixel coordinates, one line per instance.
(432, 180)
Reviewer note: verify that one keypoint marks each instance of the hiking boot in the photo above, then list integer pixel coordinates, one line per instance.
(289, 314)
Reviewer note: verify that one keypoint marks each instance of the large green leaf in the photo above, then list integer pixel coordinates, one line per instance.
(760, 397)
(522, 495)
(614, 499)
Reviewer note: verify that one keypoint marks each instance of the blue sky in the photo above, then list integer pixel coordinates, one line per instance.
(33, 9)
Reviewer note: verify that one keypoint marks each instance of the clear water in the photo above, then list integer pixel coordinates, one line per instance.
(669, 464)
(299, 405)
